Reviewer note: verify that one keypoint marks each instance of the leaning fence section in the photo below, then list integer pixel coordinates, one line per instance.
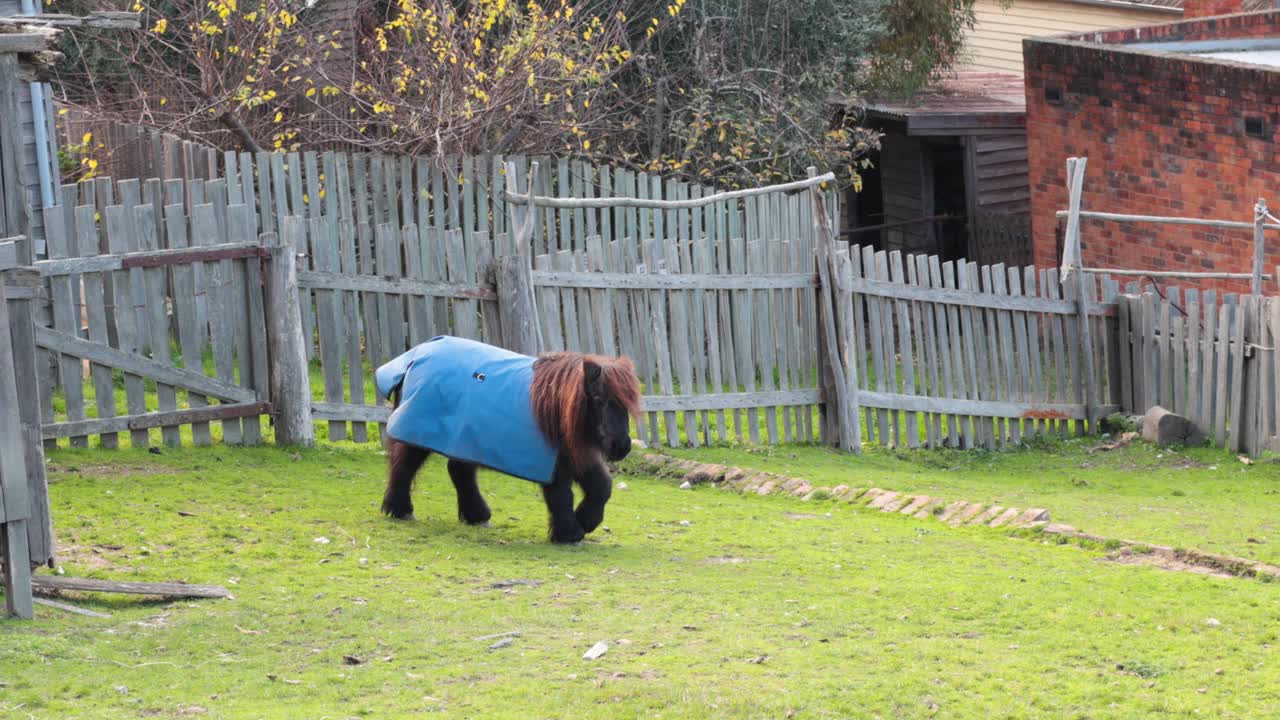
(157, 316)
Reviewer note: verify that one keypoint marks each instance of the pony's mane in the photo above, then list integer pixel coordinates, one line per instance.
(559, 398)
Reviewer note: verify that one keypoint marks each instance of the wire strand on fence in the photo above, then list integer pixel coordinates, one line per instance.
(611, 202)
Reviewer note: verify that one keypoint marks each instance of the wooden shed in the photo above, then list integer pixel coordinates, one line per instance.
(951, 176)
(39, 152)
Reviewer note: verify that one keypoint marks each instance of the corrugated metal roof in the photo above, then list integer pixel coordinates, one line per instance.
(964, 93)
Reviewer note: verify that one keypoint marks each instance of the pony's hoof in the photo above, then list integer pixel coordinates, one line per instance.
(484, 524)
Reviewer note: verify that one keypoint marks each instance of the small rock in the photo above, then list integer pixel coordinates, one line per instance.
(1219, 671)
(1166, 428)
(321, 541)
(1254, 541)
(685, 485)
(685, 523)
(622, 486)
(597, 651)
(122, 689)
(502, 643)
(759, 660)
(351, 660)
(1213, 622)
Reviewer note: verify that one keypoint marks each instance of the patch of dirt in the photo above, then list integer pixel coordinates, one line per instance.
(100, 471)
(1163, 561)
(801, 516)
(724, 560)
(92, 557)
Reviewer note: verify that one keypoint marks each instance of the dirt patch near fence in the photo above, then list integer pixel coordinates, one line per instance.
(1164, 562)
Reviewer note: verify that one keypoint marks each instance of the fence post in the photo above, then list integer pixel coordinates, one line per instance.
(1089, 389)
(518, 316)
(1255, 390)
(15, 507)
(290, 382)
(523, 219)
(835, 376)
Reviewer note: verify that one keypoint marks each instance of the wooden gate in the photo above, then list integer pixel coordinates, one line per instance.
(163, 300)
(972, 356)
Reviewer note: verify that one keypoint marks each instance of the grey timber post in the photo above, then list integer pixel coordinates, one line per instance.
(519, 318)
(290, 383)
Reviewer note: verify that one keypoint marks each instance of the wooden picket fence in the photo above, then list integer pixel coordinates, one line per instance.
(966, 355)
(393, 251)
(1205, 356)
(719, 304)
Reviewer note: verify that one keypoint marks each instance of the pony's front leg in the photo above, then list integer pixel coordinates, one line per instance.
(558, 495)
(472, 509)
(597, 486)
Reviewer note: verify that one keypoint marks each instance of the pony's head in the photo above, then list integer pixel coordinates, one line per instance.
(583, 404)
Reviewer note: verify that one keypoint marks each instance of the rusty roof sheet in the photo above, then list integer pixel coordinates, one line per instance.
(1245, 6)
(963, 93)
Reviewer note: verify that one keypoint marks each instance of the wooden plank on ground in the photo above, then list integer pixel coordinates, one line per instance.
(48, 583)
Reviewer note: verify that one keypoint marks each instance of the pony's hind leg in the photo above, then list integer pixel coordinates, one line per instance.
(404, 461)
(472, 508)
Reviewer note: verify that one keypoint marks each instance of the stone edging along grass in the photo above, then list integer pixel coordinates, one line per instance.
(1031, 522)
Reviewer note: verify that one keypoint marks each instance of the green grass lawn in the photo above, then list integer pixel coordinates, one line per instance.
(713, 604)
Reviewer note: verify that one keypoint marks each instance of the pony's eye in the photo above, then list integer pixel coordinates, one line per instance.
(478, 376)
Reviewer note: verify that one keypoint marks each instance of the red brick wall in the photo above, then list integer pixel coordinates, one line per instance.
(1165, 135)
(1209, 8)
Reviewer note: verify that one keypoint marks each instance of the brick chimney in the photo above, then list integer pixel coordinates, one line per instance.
(1209, 8)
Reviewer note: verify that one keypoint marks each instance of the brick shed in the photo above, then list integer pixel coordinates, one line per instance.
(1177, 119)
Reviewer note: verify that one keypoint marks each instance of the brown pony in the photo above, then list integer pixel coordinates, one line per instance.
(582, 406)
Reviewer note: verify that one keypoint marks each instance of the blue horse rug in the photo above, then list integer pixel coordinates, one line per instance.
(468, 401)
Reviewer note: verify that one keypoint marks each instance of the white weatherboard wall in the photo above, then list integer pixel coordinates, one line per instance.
(995, 43)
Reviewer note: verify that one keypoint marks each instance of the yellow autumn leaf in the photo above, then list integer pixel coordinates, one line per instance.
(279, 116)
(161, 25)
(88, 138)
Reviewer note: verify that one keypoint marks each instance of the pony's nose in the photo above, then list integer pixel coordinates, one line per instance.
(619, 449)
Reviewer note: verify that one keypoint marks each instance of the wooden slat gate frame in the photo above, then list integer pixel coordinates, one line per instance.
(243, 399)
(958, 354)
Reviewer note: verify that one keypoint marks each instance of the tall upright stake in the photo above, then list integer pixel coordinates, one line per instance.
(1256, 392)
(1259, 225)
(1089, 389)
(840, 366)
(15, 506)
(523, 218)
(290, 382)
